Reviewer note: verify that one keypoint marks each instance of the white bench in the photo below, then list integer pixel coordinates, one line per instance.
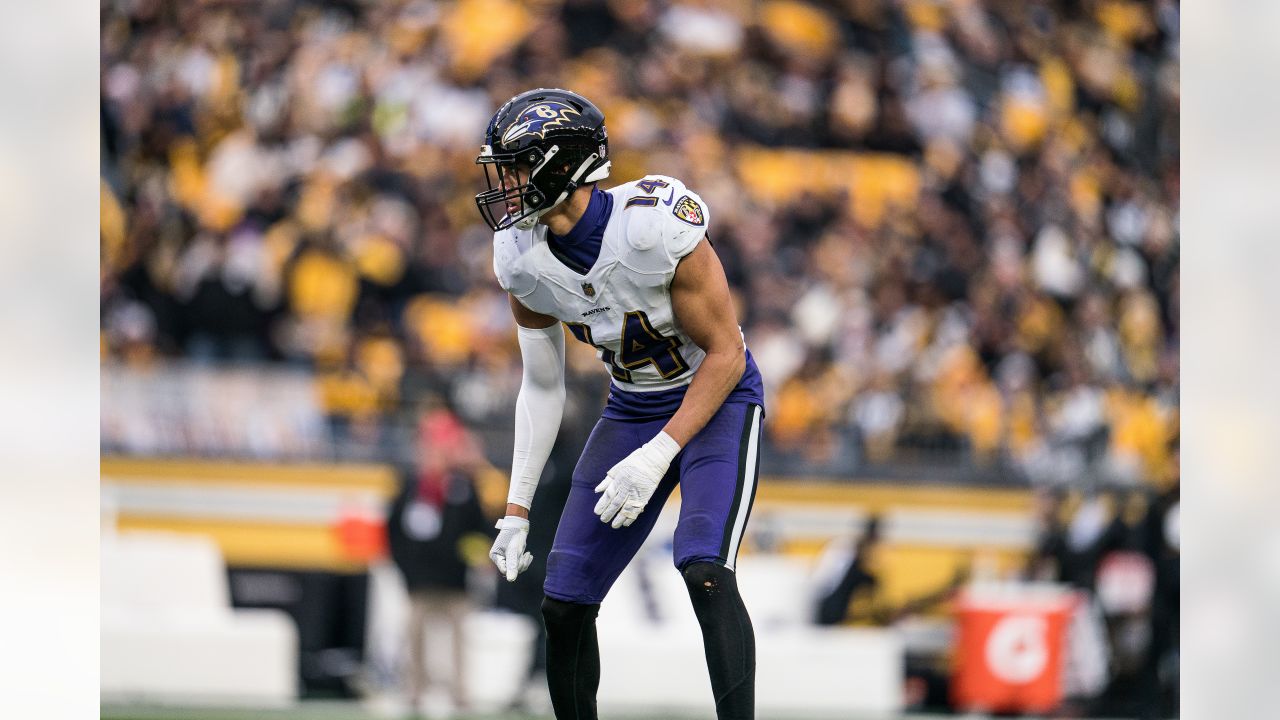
(169, 633)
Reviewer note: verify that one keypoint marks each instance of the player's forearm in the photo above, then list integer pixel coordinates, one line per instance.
(539, 407)
(538, 414)
(716, 377)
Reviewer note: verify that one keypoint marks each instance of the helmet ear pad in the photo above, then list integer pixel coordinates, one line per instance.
(563, 168)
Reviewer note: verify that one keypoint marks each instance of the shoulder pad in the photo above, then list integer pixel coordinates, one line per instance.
(510, 250)
(660, 211)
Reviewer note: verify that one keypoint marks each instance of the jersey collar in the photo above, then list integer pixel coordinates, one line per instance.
(593, 218)
(555, 271)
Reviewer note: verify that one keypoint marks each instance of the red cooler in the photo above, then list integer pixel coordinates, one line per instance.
(1010, 647)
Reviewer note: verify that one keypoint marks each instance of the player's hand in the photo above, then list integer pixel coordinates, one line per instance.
(508, 549)
(628, 485)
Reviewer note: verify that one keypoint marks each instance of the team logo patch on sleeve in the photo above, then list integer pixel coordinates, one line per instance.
(688, 210)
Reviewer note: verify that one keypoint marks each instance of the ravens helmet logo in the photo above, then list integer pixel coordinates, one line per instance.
(537, 119)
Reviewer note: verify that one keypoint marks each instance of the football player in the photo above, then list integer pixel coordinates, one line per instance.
(629, 271)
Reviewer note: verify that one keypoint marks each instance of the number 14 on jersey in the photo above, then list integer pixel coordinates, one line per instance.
(640, 344)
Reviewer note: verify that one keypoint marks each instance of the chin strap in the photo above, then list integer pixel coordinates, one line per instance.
(528, 221)
(531, 219)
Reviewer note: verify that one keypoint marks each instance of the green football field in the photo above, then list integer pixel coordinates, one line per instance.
(354, 711)
(307, 711)
(342, 711)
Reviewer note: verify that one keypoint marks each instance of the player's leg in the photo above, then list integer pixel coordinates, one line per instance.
(718, 471)
(455, 606)
(586, 558)
(573, 658)
(727, 638)
(416, 671)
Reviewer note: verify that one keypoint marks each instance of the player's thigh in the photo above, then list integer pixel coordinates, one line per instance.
(588, 555)
(718, 472)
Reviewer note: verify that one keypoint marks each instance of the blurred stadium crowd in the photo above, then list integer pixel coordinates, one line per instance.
(951, 226)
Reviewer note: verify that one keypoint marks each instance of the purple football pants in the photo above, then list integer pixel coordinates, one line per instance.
(716, 472)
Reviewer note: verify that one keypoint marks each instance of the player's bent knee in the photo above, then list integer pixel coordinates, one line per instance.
(560, 614)
(708, 578)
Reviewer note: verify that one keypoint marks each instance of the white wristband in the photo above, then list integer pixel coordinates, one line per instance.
(665, 446)
(512, 522)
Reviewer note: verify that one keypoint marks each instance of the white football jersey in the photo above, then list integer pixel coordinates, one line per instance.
(622, 306)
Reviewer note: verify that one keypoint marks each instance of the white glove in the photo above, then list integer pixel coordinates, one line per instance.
(628, 485)
(508, 549)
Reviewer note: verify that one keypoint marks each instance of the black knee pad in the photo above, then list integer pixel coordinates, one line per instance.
(558, 613)
(727, 636)
(708, 578)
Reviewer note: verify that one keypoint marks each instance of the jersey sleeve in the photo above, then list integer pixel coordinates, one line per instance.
(665, 218)
(687, 224)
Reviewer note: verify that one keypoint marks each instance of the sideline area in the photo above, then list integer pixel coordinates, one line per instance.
(342, 710)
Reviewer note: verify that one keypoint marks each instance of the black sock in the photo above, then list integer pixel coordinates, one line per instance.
(728, 637)
(573, 658)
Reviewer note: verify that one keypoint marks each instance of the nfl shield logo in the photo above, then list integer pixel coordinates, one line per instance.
(588, 289)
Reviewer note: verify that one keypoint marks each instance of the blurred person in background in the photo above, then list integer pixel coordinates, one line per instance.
(1073, 534)
(845, 574)
(1118, 546)
(629, 271)
(847, 581)
(1164, 544)
(848, 591)
(437, 531)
